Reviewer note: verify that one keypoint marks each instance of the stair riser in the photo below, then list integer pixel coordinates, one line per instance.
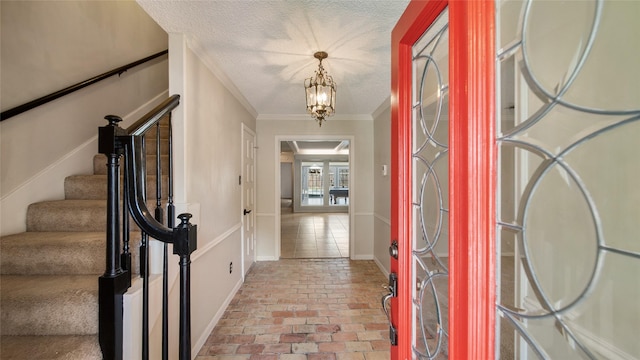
(70, 347)
(94, 187)
(82, 254)
(100, 164)
(51, 319)
(73, 219)
(71, 312)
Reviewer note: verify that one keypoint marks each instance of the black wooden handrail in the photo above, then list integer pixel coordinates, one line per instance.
(135, 174)
(68, 90)
(152, 117)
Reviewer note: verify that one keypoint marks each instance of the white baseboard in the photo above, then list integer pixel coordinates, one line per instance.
(267, 258)
(362, 257)
(195, 348)
(381, 267)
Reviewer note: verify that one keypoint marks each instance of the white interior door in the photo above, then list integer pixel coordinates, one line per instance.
(248, 198)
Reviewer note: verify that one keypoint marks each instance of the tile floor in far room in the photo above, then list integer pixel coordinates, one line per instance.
(313, 235)
(296, 309)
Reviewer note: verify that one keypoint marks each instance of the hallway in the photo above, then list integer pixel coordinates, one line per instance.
(296, 309)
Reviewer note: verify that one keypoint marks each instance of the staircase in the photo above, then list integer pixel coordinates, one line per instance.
(49, 274)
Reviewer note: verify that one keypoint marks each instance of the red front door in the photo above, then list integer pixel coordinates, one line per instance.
(443, 167)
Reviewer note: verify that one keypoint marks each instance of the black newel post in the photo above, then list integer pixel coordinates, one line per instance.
(184, 243)
(114, 282)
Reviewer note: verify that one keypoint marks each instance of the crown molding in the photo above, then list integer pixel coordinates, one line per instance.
(384, 106)
(297, 117)
(217, 72)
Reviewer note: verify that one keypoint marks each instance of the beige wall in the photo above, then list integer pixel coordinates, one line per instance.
(207, 137)
(361, 197)
(382, 184)
(46, 46)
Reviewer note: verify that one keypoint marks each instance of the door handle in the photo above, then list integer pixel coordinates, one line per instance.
(393, 333)
(246, 211)
(393, 292)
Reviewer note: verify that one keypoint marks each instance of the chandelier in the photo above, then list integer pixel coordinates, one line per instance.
(321, 92)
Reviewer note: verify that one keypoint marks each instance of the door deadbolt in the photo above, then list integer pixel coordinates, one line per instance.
(393, 249)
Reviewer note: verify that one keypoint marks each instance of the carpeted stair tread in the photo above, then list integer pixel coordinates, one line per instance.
(49, 304)
(71, 215)
(49, 274)
(49, 253)
(67, 347)
(67, 215)
(100, 164)
(94, 187)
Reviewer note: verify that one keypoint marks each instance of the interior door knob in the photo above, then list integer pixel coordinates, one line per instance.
(246, 211)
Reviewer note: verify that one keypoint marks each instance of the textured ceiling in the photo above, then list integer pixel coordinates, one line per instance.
(265, 48)
(315, 147)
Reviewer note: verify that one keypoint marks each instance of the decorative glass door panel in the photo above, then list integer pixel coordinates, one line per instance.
(442, 186)
(569, 202)
(430, 178)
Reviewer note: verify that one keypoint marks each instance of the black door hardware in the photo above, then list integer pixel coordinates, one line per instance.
(393, 292)
(393, 249)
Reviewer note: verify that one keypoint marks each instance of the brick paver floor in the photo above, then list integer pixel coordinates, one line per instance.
(304, 309)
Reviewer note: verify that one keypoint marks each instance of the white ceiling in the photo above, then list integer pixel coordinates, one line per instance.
(315, 147)
(264, 48)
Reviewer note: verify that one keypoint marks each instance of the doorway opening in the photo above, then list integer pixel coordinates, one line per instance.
(314, 198)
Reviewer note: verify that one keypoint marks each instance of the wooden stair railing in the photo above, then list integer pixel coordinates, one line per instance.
(75, 87)
(116, 142)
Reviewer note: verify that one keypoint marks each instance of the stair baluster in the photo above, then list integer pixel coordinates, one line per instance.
(159, 216)
(144, 256)
(115, 142)
(165, 256)
(126, 251)
(144, 273)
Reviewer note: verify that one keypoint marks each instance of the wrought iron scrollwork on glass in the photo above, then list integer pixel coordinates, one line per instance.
(430, 192)
(566, 132)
